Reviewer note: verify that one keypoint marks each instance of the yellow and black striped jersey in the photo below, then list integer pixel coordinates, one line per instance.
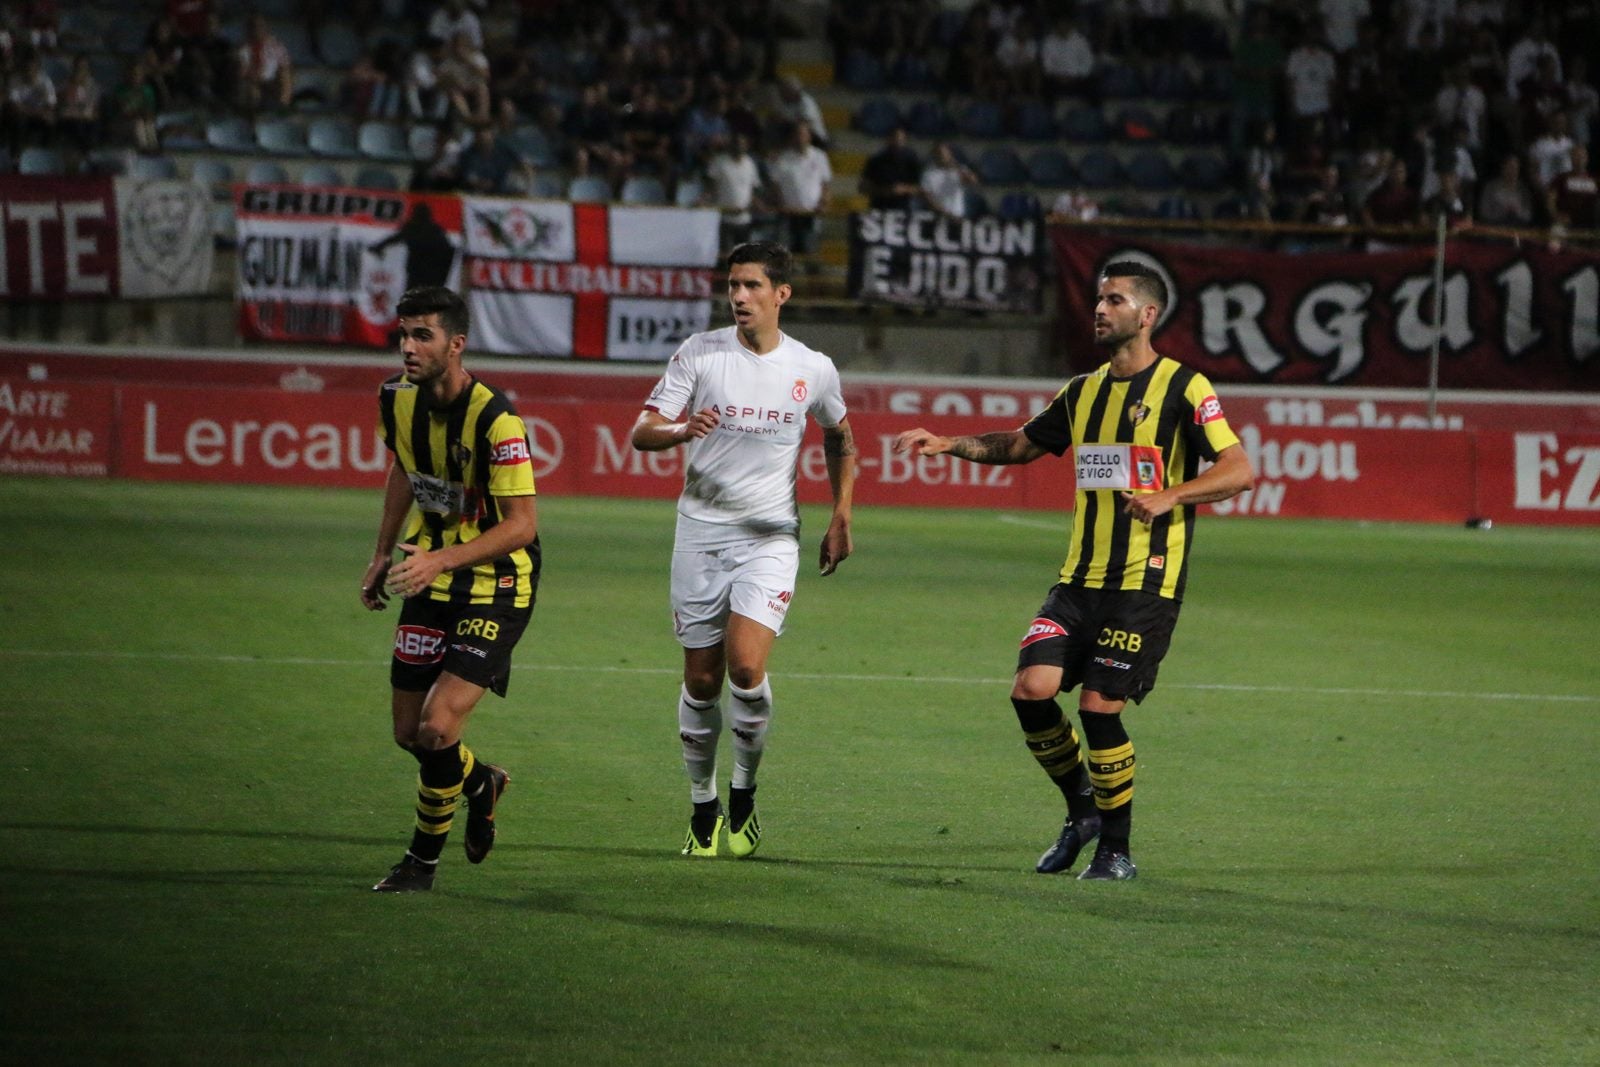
(461, 459)
(1140, 434)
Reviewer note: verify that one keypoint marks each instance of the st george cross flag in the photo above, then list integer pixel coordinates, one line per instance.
(589, 281)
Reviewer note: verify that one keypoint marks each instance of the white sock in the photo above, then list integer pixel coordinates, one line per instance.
(699, 728)
(752, 715)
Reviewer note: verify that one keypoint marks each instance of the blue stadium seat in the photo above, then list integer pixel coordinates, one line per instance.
(266, 172)
(927, 118)
(1016, 206)
(423, 142)
(41, 161)
(977, 204)
(999, 165)
(1204, 172)
(1177, 207)
(1119, 81)
(320, 174)
(281, 137)
(913, 73)
(332, 137)
(339, 45)
(876, 116)
(864, 71)
(231, 134)
(383, 141)
(589, 189)
(546, 187)
(1050, 168)
(224, 228)
(689, 192)
(1168, 81)
(153, 168)
(180, 130)
(215, 174)
(297, 39)
(533, 145)
(643, 189)
(981, 119)
(371, 177)
(1085, 125)
(1098, 169)
(1033, 121)
(1150, 170)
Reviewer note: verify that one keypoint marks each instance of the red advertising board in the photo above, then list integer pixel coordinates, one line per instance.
(58, 428)
(1539, 477)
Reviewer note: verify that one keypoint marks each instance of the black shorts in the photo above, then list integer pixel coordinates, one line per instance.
(1108, 640)
(471, 641)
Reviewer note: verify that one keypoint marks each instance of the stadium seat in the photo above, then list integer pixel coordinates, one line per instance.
(1050, 168)
(424, 142)
(320, 174)
(589, 189)
(546, 187)
(370, 177)
(981, 119)
(266, 172)
(689, 192)
(383, 141)
(339, 45)
(1150, 170)
(215, 174)
(1098, 169)
(1085, 125)
(297, 39)
(180, 130)
(999, 165)
(643, 189)
(41, 161)
(231, 134)
(1017, 206)
(1216, 83)
(864, 72)
(877, 116)
(927, 118)
(977, 204)
(913, 73)
(1203, 172)
(533, 145)
(1168, 81)
(1178, 207)
(1033, 121)
(1119, 81)
(281, 137)
(224, 228)
(332, 137)
(153, 168)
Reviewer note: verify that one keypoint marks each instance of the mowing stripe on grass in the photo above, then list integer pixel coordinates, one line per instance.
(1309, 690)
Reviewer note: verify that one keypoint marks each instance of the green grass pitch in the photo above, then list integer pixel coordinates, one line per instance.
(1366, 822)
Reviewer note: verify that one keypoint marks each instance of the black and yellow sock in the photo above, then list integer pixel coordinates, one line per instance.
(1054, 744)
(438, 791)
(1111, 773)
(474, 772)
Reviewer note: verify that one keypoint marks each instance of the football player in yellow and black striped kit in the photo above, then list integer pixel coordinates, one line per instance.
(461, 491)
(1138, 428)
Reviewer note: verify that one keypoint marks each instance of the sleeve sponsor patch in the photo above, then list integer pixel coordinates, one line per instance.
(510, 452)
(1208, 410)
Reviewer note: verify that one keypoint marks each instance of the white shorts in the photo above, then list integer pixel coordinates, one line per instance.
(752, 578)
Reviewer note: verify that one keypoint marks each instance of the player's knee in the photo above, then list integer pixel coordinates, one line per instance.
(1030, 689)
(703, 685)
(429, 738)
(745, 676)
(406, 739)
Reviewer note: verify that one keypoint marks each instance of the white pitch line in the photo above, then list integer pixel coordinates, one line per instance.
(1223, 687)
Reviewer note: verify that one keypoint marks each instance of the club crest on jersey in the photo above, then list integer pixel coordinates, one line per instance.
(1145, 469)
(1138, 411)
(460, 454)
(1208, 410)
(1042, 629)
(799, 390)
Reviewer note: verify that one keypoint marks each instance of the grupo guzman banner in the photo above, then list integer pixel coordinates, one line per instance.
(920, 258)
(99, 237)
(591, 281)
(1513, 317)
(328, 265)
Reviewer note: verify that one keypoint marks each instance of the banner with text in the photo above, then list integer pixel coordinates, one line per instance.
(75, 238)
(1513, 317)
(920, 258)
(328, 265)
(590, 281)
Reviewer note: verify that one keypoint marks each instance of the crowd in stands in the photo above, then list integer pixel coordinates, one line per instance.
(1327, 111)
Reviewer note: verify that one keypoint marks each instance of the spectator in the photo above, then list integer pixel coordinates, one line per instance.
(135, 107)
(800, 174)
(794, 104)
(79, 108)
(1341, 21)
(591, 130)
(1016, 56)
(1326, 203)
(1448, 155)
(209, 73)
(945, 182)
(266, 74)
(1067, 62)
(705, 129)
(1550, 155)
(441, 171)
(1424, 24)
(1574, 196)
(165, 59)
(970, 67)
(1583, 100)
(1312, 75)
(190, 18)
(734, 179)
(365, 93)
(1449, 201)
(490, 166)
(1263, 162)
(1075, 204)
(463, 79)
(1522, 62)
(1504, 199)
(1394, 203)
(425, 99)
(1542, 94)
(892, 175)
(1258, 66)
(30, 106)
(1461, 103)
(648, 130)
(455, 18)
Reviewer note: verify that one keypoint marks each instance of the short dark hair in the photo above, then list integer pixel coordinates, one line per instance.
(437, 300)
(1146, 280)
(775, 259)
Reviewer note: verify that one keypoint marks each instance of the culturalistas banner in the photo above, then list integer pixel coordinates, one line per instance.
(1513, 317)
(329, 265)
(591, 281)
(919, 258)
(76, 238)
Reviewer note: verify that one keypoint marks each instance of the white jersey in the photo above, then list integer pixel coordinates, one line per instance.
(740, 478)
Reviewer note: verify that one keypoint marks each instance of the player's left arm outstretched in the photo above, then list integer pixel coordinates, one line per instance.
(839, 449)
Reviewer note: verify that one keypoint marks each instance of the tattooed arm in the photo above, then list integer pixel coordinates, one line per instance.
(839, 448)
(1000, 447)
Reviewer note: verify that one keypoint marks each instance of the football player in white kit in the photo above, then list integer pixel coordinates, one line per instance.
(739, 398)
